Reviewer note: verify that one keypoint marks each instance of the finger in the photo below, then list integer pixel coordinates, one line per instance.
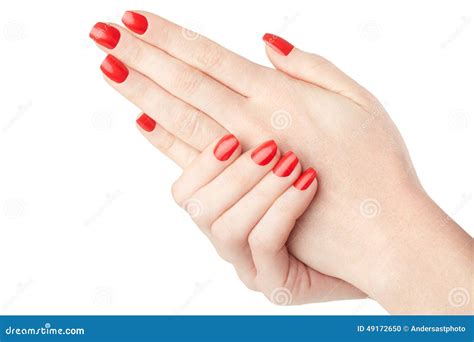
(232, 229)
(314, 69)
(205, 167)
(178, 78)
(232, 184)
(234, 71)
(177, 117)
(174, 148)
(268, 239)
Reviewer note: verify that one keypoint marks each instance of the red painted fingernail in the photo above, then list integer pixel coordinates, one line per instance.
(286, 164)
(105, 35)
(135, 22)
(225, 147)
(114, 69)
(278, 44)
(305, 179)
(265, 153)
(146, 123)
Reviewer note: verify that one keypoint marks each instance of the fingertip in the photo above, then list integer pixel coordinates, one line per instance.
(146, 123)
(227, 146)
(278, 44)
(307, 179)
(135, 21)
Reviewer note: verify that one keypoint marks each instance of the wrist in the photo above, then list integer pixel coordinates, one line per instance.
(422, 256)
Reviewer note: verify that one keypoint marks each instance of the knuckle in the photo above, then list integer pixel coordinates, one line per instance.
(166, 142)
(209, 57)
(249, 283)
(318, 62)
(260, 243)
(166, 38)
(188, 81)
(176, 192)
(136, 55)
(188, 123)
(228, 239)
(239, 177)
(251, 286)
(282, 207)
(221, 232)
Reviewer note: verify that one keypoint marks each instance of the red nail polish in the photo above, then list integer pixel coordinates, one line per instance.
(226, 147)
(265, 153)
(105, 35)
(114, 69)
(305, 179)
(278, 44)
(286, 164)
(146, 123)
(135, 22)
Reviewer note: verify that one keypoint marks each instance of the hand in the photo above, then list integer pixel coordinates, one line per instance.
(247, 205)
(197, 90)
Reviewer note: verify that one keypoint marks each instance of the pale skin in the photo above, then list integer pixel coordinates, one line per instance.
(371, 230)
(238, 206)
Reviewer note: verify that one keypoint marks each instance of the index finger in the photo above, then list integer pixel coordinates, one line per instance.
(236, 72)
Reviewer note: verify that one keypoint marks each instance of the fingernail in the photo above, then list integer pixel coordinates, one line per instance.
(135, 22)
(146, 123)
(114, 69)
(226, 147)
(286, 164)
(265, 153)
(305, 179)
(278, 44)
(105, 35)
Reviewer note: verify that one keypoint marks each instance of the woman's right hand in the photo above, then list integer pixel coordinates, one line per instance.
(372, 218)
(247, 205)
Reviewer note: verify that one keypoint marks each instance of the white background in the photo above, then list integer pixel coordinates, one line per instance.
(87, 223)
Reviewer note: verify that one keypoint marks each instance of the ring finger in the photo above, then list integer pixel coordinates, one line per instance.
(179, 118)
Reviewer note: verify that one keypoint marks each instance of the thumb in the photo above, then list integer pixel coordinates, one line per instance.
(313, 69)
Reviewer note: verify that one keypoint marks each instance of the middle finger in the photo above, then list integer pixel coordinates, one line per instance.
(178, 78)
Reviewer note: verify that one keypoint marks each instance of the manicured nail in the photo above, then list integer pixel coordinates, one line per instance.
(278, 44)
(114, 69)
(105, 35)
(286, 164)
(146, 123)
(135, 22)
(226, 147)
(265, 153)
(305, 179)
